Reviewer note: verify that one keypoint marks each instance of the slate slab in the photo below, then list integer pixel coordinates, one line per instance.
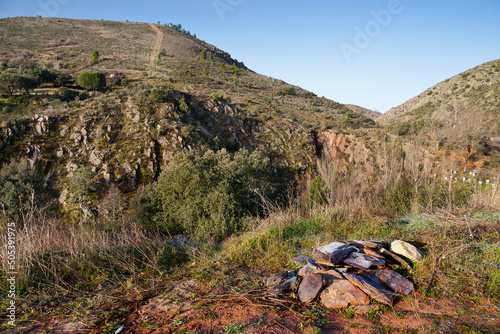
(363, 244)
(396, 257)
(300, 259)
(310, 287)
(309, 268)
(333, 253)
(372, 252)
(372, 289)
(342, 293)
(363, 261)
(395, 281)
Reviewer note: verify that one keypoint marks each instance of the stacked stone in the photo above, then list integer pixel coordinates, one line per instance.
(348, 274)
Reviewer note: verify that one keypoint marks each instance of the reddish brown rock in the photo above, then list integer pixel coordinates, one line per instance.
(395, 281)
(310, 287)
(372, 289)
(341, 293)
(363, 244)
(372, 252)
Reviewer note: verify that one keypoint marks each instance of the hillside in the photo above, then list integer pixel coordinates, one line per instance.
(129, 48)
(367, 112)
(473, 92)
(155, 184)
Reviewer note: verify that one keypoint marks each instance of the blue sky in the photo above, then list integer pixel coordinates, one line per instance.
(374, 53)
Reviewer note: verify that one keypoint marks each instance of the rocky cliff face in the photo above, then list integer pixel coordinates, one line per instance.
(127, 139)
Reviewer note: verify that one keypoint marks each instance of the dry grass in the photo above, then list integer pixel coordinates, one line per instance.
(55, 256)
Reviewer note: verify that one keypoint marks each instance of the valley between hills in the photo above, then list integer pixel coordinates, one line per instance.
(150, 183)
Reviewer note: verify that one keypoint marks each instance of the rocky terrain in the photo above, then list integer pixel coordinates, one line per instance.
(149, 200)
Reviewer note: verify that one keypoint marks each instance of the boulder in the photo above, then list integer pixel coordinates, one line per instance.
(406, 249)
(309, 288)
(341, 293)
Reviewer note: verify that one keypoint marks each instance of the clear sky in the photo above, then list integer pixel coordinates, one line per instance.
(374, 53)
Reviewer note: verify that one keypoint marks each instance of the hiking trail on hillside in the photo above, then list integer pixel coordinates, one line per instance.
(155, 50)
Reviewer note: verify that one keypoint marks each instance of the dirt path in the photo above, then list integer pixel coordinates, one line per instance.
(156, 46)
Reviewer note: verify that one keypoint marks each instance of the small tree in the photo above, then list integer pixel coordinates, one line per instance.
(84, 80)
(95, 80)
(204, 55)
(95, 57)
(27, 83)
(8, 83)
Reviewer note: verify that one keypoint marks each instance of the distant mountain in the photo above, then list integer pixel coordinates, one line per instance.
(367, 112)
(474, 91)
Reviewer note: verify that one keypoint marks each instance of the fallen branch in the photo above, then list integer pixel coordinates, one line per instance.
(436, 264)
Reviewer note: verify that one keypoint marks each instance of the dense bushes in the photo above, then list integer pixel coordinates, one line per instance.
(209, 196)
(12, 83)
(94, 80)
(23, 189)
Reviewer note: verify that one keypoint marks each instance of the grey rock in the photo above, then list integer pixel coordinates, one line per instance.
(363, 261)
(179, 241)
(336, 250)
(302, 259)
(277, 279)
(290, 283)
(309, 268)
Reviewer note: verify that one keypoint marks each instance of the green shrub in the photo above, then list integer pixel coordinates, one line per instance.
(158, 94)
(215, 97)
(82, 185)
(286, 91)
(182, 105)
(203, 55)
(23, 188)
(209, 196)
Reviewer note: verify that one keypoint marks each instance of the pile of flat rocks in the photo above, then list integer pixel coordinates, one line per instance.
(348, 274)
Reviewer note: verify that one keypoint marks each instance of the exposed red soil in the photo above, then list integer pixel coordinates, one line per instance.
(190, 307)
